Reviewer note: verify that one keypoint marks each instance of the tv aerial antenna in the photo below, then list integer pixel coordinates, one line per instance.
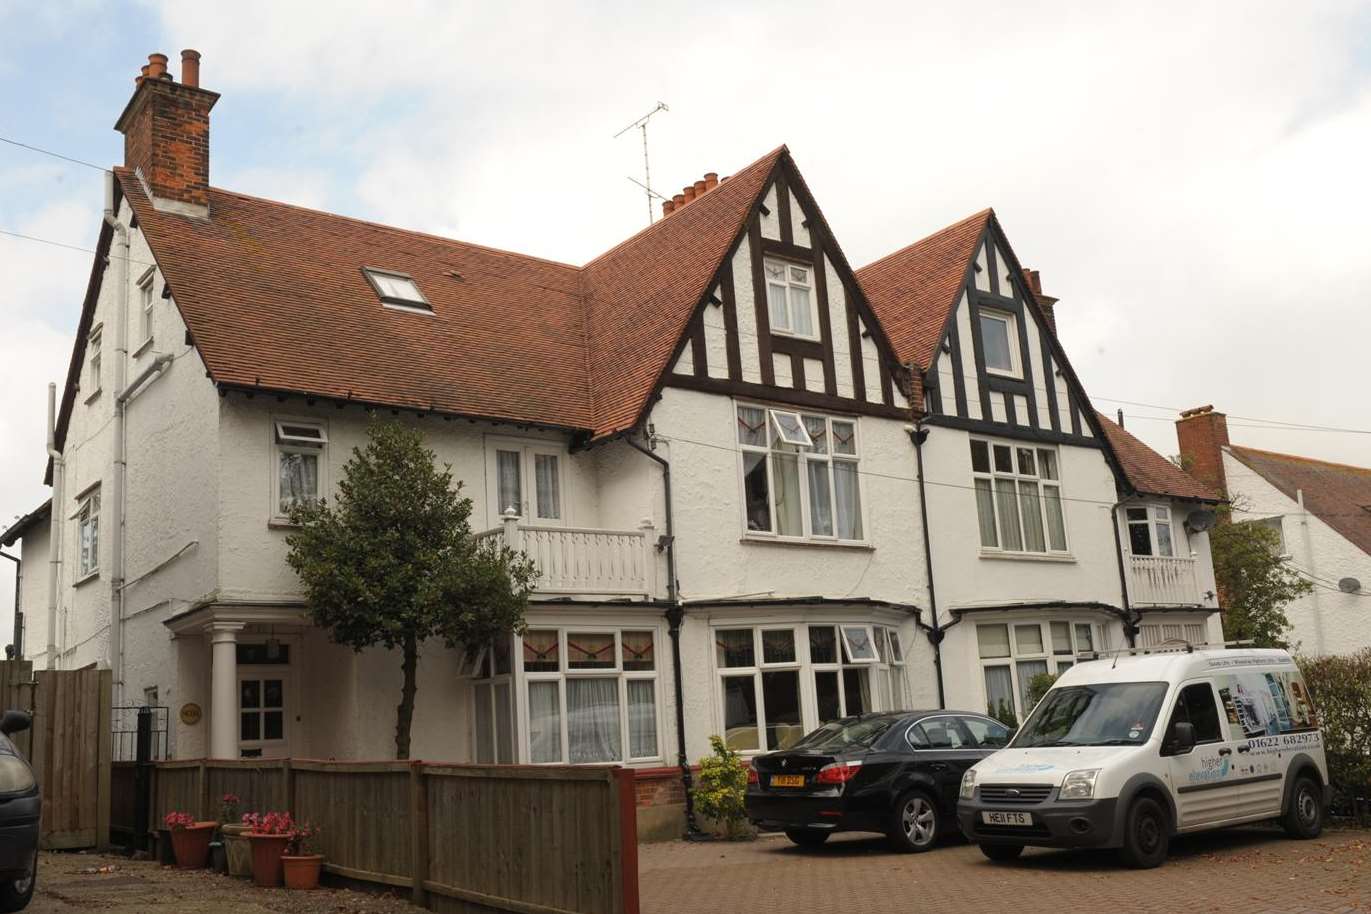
(646, 183)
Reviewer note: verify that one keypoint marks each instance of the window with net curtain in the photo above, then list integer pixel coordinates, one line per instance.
(1012, 653)
(299, 451)
(800, 474)
(1018, 495)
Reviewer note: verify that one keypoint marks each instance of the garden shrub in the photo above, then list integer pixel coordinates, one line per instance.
(721, 789)
(1341, 686)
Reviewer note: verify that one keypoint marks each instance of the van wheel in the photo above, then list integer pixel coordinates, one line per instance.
(1303, 818)
(807, 837)
(917, 825)
(1146, 835)
(1001, 853)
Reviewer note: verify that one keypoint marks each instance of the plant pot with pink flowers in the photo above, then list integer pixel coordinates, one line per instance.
(301, 866)
(189, 839)
(268, 834)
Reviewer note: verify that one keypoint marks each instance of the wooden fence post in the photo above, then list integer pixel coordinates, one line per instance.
(626, 809)
(104, 756)
(418, 823)
(202, 791)
(288, 788)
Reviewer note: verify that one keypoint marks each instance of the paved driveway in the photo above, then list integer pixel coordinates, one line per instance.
(1252, 871)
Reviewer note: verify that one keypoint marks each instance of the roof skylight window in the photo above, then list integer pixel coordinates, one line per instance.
(397, 289)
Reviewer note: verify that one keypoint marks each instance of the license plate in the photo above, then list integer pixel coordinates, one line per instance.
(1007, 818)
(787, 780)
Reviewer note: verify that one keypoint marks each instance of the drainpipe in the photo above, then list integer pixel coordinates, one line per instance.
(18, 614)
(116, 500)
(56, 512)
(674, 616)
(1130, 621)
(936, 633)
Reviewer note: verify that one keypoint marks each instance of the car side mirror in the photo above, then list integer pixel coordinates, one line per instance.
(15, 722)
(1182, 737)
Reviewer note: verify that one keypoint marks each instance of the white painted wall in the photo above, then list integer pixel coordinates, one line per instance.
(33, 591)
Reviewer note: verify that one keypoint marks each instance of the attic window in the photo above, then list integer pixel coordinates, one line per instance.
(397, 289)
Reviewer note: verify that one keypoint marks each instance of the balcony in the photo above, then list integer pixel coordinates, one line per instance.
(584, 561)
(1161, 580)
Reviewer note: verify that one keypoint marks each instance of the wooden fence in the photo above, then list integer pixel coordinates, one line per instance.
(462, 838)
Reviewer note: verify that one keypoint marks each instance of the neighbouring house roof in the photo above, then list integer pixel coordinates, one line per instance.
(275, 299)
(1336, 493)
(1148, 472)
(17, 529)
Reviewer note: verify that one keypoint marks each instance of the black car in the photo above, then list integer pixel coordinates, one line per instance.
(20, 807)
(896, 772)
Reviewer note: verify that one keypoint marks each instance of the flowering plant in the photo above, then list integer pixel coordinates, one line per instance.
(301, 839)
(179, 820)
(272, 823)
(228, 807)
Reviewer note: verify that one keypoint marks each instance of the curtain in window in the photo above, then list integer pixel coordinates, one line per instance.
(1056, 524)
(549, 486)
(985, 513)
(1009, 514)
(507, 474)
(849, 500)
(780, 314)
(485, 729)
(642, 718)
(544, 723)
(299, 479)
(800, 312)
(1032, 517)
(786, 476)
(504, 725)
(999, 689)
(856, 690)
(1164, 536)
(592, 708)
(755, 491)
(1027, 669)
(993, 640)
(820, 501)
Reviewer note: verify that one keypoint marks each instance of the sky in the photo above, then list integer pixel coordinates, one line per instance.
(1190, 178)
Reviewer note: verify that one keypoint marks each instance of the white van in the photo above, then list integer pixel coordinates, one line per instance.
(1127, 750)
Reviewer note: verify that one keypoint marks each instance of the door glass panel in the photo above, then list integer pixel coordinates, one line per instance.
(272, 692)
(548, 480)
(251, 694)
(510, 482)
(250, 726)
(273, 725)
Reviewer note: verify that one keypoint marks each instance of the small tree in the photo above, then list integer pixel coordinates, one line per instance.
(1254, 583)
(721, 790)
(393, 561)
(1038, 686)
(1003, 711)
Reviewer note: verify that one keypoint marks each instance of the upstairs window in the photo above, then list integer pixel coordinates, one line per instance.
(93, 360)
(790, 299)
(1149, 531)
(799, 474)
(145, 300)
(88, 533)
(1018, 498)
(1000, 343)
(397, 289)
(299, 450)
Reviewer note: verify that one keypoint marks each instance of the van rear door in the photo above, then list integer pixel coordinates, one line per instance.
(1206, 779)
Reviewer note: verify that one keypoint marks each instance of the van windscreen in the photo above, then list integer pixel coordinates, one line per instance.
(1103, 714)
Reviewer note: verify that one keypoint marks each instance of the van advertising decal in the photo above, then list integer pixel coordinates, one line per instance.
(1267, 704)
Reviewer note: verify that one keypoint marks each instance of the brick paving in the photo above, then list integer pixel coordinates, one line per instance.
(1248, 871)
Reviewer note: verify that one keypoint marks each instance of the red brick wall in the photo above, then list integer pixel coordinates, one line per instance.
(1202, 433)
(658, 786)
(166, 135)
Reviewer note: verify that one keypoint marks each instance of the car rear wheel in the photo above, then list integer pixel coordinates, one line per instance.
(1146, 835)
(1001, 853)
(16, 893)
(1304, 816)
(917, 825)
(807, 837)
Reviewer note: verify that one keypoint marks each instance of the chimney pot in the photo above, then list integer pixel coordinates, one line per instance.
(678, 201)
(711, 180)
(688, 192)
(700, 187)
(667, 207)
(190, 68)
(157, 66)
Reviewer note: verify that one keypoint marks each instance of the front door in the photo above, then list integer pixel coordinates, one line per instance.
(1206, 779)
(529, 479)
(263, 724)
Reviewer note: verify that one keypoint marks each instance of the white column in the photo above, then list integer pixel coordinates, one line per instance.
(223, 712)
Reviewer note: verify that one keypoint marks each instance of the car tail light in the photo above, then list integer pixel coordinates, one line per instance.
(752, 775)
(838, 773)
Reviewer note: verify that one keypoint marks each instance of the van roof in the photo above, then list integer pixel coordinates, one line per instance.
(1171, 665)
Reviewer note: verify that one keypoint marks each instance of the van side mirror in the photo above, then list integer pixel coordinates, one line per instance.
(1182, 737)
(15, 722)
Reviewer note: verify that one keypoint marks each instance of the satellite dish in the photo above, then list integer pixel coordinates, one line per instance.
(1200, 520)
(1349, 585)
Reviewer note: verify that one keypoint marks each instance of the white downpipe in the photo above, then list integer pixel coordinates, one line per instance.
(56, 512)
(116, 500)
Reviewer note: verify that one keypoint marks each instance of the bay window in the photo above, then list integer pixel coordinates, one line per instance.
(1149, 530)
(1012, 653)
(1018, 498)
(800, 474)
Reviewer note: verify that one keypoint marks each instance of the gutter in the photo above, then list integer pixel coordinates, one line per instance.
(935, 632)
(675, 614)
(1130, 619)
(55, 529)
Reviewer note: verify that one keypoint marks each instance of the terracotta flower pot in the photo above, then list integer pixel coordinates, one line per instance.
(191, 845)
(266, 858)
(238, 849)
(303, 872)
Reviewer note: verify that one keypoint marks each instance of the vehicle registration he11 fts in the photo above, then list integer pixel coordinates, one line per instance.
(1007, 818)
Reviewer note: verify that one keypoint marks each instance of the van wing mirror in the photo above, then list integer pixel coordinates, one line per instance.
(1182, 737)
(15, 722)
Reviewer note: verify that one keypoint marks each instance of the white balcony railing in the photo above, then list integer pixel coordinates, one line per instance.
(584, 560)
(1161, 580)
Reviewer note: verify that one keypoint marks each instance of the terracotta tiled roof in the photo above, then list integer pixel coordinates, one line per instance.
(1336, 493)
(1148, 472)
(914, 289)
(275, 298)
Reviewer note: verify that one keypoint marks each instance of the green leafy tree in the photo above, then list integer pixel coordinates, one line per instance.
(1003, 711)
(1038, 686)
(721, 789)
(392, 562)
(1254, 583)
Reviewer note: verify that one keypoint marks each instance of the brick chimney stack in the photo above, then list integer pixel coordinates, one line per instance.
(1046, 302)
(166, 134)
(1203, 433)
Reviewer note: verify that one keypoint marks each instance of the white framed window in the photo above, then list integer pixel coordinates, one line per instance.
(800, 476)
(1000, 342)
(299, 451)
(146, 298)
(88, 533)
(774, 683)
(397, 290)
(592, 695)
(1018, 494)
(528, 476)
(1150, 532)
(1012, 653)
(94, 359)
(1154, 634)
(790, 298)
(492, 699)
